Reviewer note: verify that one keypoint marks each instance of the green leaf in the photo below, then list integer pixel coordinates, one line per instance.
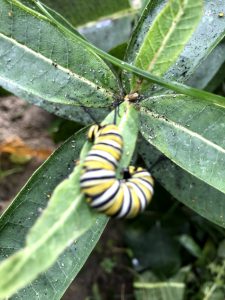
(26, 208)
(166, 38)
(164, 290)
(148, 286)
(210, 32)
(190, 245)
(42, 64)
(89, 47)
(105, 33)
(209, 68)
(111, 32)
(194, 193)
(3, 92)
(80, 12)
(217, 80)
(66, 218)
(193, 139)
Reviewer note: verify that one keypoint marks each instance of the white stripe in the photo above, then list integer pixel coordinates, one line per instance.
(146, 184)
(105, 155)
(97, 174)
(143, 173)
(95, 158)
(110, 143)
(126, 201)
(141, 197)
(93, 183)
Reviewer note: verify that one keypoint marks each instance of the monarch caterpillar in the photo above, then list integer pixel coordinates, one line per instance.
(119, 198)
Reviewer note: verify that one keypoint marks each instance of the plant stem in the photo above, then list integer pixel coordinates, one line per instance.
(172, 85)
(216, 284)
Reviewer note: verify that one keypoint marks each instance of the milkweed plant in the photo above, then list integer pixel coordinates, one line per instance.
(159, 74)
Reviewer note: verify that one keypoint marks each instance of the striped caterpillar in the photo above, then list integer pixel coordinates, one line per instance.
(120, 198)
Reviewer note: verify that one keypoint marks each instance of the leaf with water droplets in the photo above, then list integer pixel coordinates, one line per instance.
(188, 189)
(210, 31)
(166, 38)
(188, 131)
(48, 66)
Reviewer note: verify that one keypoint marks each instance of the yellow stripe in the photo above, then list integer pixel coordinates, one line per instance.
(93, 132)
(115, 153)
(98, 188)
(135, 208)
(108, 128)
(95, 164)
(117, 203)
(145, 190)
(111, 137)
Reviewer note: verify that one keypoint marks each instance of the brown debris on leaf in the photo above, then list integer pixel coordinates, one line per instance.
(15, 145)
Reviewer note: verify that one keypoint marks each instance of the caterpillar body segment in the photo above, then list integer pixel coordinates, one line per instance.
(120, 198)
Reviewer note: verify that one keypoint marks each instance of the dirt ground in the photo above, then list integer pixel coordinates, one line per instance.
(106, 273)
(27, 124)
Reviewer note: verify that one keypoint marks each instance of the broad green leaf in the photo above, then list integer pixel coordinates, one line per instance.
(111, 32)
(80, 12)
(194, 193)
(148, 286)
(190, 245)
(209, 68)
(105, 33)
(217, 80)
(26, 208)
(166, 38)
(209, 33)
(188, 131)
(66, 218)
(111, 29)
(42, 64)
(164, 290)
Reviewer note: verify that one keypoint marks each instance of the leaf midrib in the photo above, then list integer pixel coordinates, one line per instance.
(167, 36)
(184, 129)
(61, 68)
(30, 249)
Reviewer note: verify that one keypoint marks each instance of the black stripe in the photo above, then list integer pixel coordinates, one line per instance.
(145, 181)
(99, 155)
(117, 148)
(146, 202)
(112, 133)
(107, 200)
(97, 178)
(129, 207)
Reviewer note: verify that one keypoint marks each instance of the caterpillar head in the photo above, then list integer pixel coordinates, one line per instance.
(93, 132)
